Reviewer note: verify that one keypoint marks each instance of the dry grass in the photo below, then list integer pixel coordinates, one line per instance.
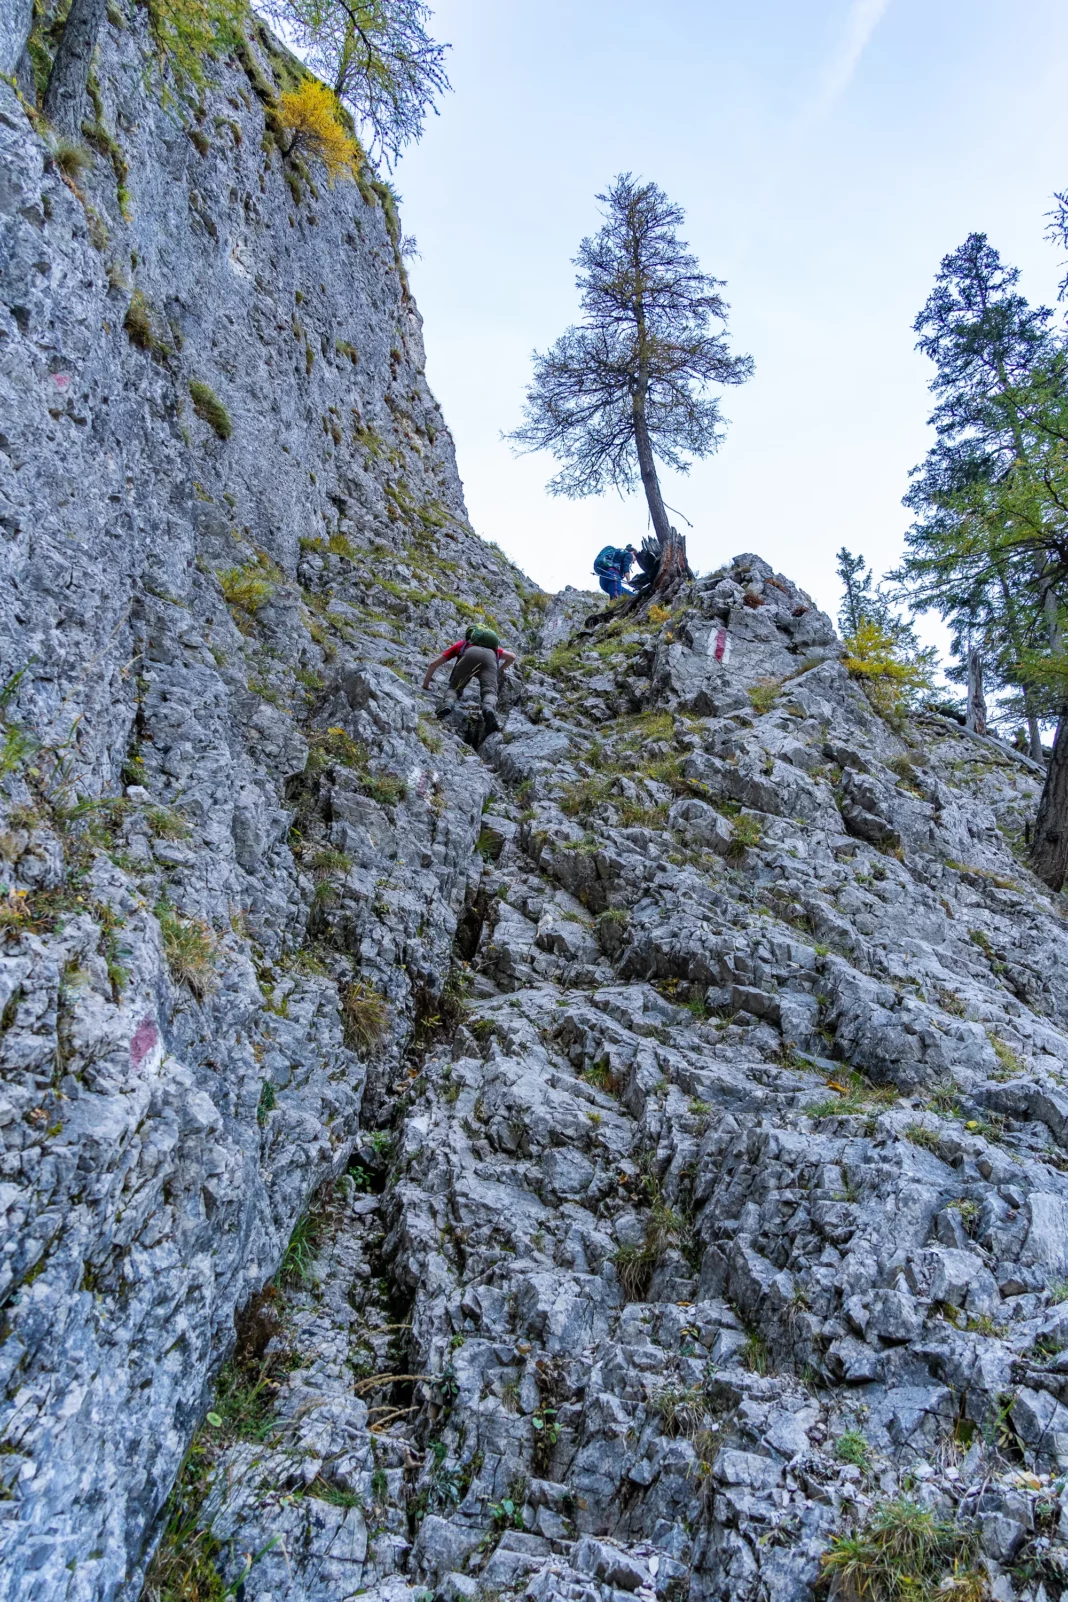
(365, 1016)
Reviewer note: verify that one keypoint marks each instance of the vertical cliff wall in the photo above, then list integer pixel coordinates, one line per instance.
(231, 528)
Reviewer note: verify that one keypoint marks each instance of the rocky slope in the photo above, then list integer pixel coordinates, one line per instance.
(621, 1156)
(732, 1208)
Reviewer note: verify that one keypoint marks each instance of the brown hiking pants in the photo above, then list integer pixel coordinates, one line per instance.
(477, 661)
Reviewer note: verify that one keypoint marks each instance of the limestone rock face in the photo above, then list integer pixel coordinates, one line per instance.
(208, 646)
(608, 1158)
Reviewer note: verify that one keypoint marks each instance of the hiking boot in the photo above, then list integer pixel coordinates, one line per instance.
(444, 709)
(489, 720)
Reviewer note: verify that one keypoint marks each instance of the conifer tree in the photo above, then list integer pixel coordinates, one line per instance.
(629, 384)
(378, 58)
(989, 548)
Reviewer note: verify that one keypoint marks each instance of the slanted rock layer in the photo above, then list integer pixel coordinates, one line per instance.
(619, 1156)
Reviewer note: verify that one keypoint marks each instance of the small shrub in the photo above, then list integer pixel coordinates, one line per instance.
(15, 748)
(659, 614)
(267, 1103)
(191, 949)
(328, 859)
(245, 590)
(921, 1135)
(634, 1266)
(336, 745)
(210, 409)
(968, 1210)
(683, 1410)
(385, 788)
(1010, 1066)
(600, 1074)
(855, 1098)
(943, 1100)
(167, 823)
(138, 322)
(892, 676)
(300, 1253)
(906, 1553)
(365, 1016)
(310, 117)
(755, 1354)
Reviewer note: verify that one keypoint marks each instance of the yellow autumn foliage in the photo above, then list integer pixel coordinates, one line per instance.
(892, 676)
(311, 118)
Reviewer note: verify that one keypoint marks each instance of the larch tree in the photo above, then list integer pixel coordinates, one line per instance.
(629, 384)
(377, 56)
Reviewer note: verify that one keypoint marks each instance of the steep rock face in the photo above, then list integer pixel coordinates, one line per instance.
(631, 1146)
(733, 1209)
(211, 598)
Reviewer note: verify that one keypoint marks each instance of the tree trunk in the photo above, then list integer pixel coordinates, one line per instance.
(64, 101)
(673, 564)
(647, 467)
(1049, 852)
(976, 717)
(1034, 733)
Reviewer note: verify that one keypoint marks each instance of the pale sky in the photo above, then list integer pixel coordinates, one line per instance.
(828, 153)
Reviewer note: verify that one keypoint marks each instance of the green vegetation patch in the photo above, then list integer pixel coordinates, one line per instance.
(906, 1553)
(209, 408)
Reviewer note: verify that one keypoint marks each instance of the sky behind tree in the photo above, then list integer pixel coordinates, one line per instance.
(827, 155)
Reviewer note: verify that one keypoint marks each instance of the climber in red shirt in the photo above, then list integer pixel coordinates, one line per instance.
(479, 654)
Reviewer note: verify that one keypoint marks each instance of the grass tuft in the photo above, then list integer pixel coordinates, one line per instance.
(191, 949)
(906, 1553)
(209, 408)
(852, 1447)
(365, 1016)
(763, 695)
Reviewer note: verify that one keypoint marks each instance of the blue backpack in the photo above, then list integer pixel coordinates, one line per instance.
(607, 561)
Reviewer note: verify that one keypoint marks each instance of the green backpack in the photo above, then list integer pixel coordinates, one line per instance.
(483, 637)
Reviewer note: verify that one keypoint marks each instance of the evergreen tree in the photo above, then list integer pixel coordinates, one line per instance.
(989, 348)
(989, 548)
(629, 384)
(865, 601)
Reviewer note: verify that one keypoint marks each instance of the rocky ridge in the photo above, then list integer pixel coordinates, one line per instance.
(617, 1157)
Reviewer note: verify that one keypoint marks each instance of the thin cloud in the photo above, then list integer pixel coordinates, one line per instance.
(863, 18)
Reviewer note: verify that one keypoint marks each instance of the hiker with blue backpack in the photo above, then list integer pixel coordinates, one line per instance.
(478, 655)
(612, 566)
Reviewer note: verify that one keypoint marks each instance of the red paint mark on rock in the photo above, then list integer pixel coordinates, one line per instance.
(61, 380)
(145, 1038)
